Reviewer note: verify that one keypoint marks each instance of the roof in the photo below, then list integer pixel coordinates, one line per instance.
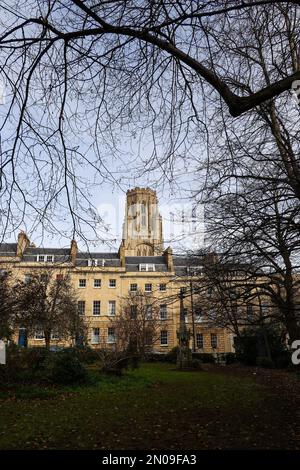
(133, 262)
(61, 255)
(91, 255)
(8, 249)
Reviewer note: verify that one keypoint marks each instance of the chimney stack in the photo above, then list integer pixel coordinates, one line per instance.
(22, 244)
(168, 254)
(73, 251)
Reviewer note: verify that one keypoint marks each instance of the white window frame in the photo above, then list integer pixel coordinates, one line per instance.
(148, 312)
(45, 260)
(202, 340)
(136, 287)
(213, 335)
(186, 314)
(79, 286)
(166, 337)
(198, 317)
(163, 308)
(95, 337)
(97, 287)
(92, 262)
(98, 303)
(147, 267)
(83, 303)
(195, 270)
(110, 304)
(164, 287)
(133, 312)
(112, 287)
(39, 335)
(148, 284)
(111, 337)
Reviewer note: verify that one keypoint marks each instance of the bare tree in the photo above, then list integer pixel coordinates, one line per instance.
(81, 74)
(48, 305)
(8, 305)
(257, 231)
(137, 325)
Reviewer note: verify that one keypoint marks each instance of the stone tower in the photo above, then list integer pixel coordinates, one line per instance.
(142, 229)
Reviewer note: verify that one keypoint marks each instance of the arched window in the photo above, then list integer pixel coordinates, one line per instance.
(143, 212)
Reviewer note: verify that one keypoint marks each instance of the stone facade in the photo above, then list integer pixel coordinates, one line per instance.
(103, 280)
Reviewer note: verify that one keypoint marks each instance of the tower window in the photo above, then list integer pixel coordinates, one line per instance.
(143, 212)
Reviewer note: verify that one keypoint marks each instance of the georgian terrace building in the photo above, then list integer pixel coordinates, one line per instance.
(104, 280)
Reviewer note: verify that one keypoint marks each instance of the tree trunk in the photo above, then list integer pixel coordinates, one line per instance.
(47, 339)
(293, 329)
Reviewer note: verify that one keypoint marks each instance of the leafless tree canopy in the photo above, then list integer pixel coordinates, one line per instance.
(48, 305)
(137, 325)
(84, 79)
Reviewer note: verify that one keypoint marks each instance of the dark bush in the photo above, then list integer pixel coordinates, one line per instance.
(35, 359)
(37, 364)
(252, 345)
(171, 356)
(155, 357)
(115, 363)
(246, 348)
(205, 358)
(283, 360)
(266, 362)
(65, 368)
(84, 354)
(14, 366)
(230, 358)
(196, 364)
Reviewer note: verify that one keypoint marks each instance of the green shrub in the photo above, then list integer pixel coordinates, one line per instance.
(84, 354)
(65, 368)
(35, 358)
(38, 364)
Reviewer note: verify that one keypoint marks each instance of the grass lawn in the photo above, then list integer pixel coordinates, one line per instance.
(154, 407)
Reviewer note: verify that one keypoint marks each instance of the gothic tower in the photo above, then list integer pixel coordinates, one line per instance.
(142, 229)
